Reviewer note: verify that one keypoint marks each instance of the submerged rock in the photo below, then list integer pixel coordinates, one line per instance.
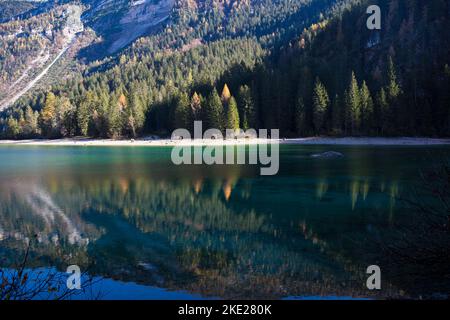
(327, 155)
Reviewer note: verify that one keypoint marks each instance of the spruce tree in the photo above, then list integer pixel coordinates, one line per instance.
(196, 106)
(66, 117)
(31, 127)
(48, 115)
(213, 111)
(366, 109)
(353, 107)
(321, 102)
(13, 128)
(135, 112)
(393, 92)
(336, 116)
(232, 117)
(393, 89)
(382, 112)
(84, 113)
(117, 105)
(300, 123)
(183, 113)
(247, 108)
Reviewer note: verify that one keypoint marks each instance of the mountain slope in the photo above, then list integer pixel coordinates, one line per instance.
(45, 38)
(120, 22)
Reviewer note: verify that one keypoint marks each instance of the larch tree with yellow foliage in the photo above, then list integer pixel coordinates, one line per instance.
(226, 95)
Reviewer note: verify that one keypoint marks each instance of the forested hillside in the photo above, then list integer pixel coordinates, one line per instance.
(306, 67)
(11, 9)
(339, 77)
(28, 46)
(21, 41)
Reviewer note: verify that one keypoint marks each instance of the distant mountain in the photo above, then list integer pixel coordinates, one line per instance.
(120, 22)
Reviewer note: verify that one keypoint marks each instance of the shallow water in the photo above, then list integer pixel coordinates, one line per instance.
(128, 214)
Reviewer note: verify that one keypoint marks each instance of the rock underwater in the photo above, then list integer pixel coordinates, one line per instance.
(327, 155)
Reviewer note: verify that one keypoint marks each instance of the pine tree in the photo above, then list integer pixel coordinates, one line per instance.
(336, 116)
(196, 106)
(353, 107)
(84, 113)
(382, 110)
(232, 117)
(135, 113)
(366, 109)
(183, 112)
(31, 126)
(393, 92)
(321, 102)
(13, 128)
(213, 111)
(101, 113)
(116, 110)
(48, 115)
(300, 120)
(393, 89)
(246, 107)
(66, 117)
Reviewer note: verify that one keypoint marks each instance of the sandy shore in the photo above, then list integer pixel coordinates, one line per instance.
(369, 141)
(167, 142)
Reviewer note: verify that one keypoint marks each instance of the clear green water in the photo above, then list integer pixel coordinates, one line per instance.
(129, 214)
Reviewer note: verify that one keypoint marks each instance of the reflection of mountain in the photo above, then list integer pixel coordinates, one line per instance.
(185, 234)
(29, 210)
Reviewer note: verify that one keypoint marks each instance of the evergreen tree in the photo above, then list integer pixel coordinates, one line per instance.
(321, 102)
(366, 109)
(382, 112)
(300, 119)
(13, 130)
(135, 114)
(183, 112)
(48, 115)
(101, 113)
(31, 126)
(196, 106)
(84, 113)
(66, 118)
(393, 89)
(213, 111)
(117, 105)
(246, 107)
(232, 117)
(393, 92)
(353, 107)
(336, 116)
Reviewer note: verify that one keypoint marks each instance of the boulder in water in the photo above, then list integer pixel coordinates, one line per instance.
(327, 155)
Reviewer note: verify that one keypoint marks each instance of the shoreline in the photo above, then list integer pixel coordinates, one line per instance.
(355, 141)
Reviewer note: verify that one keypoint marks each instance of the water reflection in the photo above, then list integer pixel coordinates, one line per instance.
(218, 231)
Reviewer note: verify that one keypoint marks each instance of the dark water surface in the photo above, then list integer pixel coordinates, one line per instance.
(156, 230)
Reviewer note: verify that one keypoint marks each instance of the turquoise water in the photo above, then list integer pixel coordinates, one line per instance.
(132, 217)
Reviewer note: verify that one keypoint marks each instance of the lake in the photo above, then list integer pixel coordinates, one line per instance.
(153, 230)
